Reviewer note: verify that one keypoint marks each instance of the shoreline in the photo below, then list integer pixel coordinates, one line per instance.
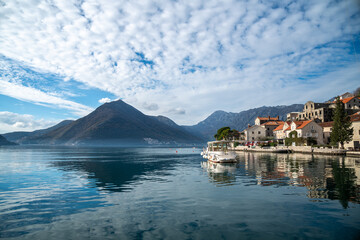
(300, 149)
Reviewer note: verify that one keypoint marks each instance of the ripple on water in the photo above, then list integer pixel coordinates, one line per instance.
(158, 193)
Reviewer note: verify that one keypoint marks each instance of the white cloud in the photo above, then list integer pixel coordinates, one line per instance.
(104, 100)
(150, 106)
(10, 122)
(197, 56)
(38, 97)
(177, 111)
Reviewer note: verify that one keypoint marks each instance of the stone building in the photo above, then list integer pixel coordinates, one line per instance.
(255, 133)
(323, 112)
(306, 129)
(327, 129)
(261, 120)
(279, 131)
(270, 126)
(355, 142)
(292, 116)
(320, 112)
(263, 128)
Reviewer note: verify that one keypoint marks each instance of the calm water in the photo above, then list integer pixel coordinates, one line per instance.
(146, 193)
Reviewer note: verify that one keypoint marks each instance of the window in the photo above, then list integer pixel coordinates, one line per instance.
(252, 132)
(252, 138)
(320, 112)
(259, 132)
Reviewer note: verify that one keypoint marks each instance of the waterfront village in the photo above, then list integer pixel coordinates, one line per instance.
(307, 131)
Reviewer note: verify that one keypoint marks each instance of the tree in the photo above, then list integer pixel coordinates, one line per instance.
(293, 137)
(225, 133)
(342, 131)
(357, 92)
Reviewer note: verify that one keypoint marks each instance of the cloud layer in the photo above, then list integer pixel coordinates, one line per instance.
(187, 59)
(10, 122)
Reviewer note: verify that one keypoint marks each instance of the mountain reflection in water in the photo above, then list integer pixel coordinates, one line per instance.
(167, 193)
(336, 178)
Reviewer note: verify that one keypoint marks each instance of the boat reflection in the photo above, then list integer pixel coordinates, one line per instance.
(324, 177)
(220, 173)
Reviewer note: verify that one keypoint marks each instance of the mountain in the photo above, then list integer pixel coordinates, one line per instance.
(4, 141)
(24, 137)
(118, 123)
(239, 121)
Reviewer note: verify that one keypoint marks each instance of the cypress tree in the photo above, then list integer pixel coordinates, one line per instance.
(342, 131)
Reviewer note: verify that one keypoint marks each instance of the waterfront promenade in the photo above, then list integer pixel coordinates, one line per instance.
(297, 149)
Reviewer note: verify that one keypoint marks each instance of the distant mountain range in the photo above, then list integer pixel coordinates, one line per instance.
(114, 123)
(239, 121)
(5, 142)
(118, 123)
(26, 137)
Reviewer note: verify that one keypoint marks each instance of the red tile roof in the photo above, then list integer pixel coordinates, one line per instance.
(346, 100)
(355, 118)
(273, 123)
(326, 124)
(303, 124)
(269, 118)
(280, 127)
(299, 124)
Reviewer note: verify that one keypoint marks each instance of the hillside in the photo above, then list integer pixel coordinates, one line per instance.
(239, 121)
(5, 142)
(117, 123)
(24, 137)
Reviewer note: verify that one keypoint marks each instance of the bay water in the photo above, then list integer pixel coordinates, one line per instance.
(173, 193)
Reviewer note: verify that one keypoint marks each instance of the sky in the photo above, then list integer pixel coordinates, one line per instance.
(181, 59)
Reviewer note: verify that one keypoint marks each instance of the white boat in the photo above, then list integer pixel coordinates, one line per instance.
(218, 152)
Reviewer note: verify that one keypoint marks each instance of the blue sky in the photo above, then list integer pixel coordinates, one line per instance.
(182, 59)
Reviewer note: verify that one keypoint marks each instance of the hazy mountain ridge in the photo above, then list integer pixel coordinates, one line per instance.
(118, 123)
(5, 142)
(23, 137)
(239, 121)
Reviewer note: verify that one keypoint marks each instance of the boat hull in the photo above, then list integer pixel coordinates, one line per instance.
(221, 157)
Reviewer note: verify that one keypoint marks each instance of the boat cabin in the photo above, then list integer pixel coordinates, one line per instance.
(217, 146)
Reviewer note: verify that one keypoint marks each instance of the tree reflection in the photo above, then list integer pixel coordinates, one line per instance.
(325, 177)
(343, 187)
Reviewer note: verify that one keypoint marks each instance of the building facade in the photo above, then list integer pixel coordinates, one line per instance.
(327, 129)
(255, 133)
(279, 132)
(323, 112)
(261, 120)
(354, 144)
(306, 129)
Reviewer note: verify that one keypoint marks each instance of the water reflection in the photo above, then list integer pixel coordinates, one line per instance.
(324, 177)
(221, 173)
(119, 170)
